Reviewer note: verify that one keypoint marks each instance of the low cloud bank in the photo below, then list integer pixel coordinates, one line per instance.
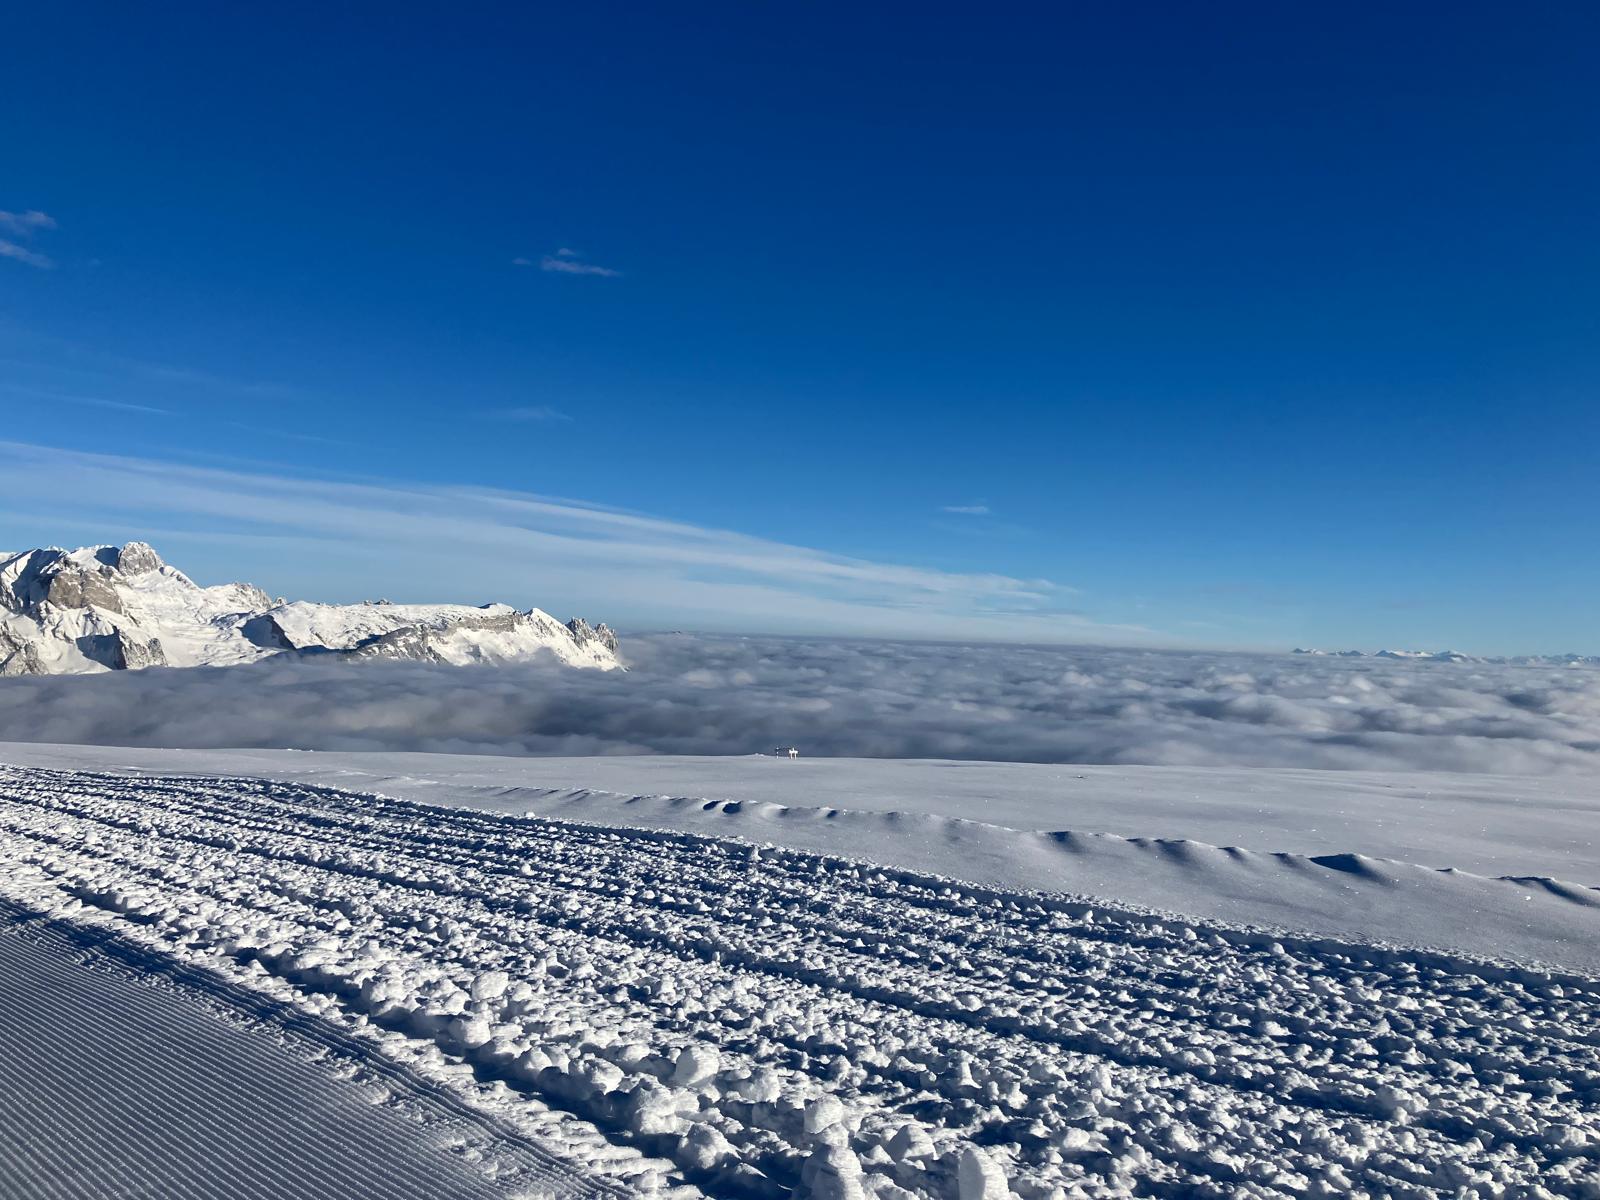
(721, 695)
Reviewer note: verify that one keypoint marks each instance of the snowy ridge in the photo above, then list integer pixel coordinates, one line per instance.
(121, 608)
(1422, 655)
(772, 1022)
(1456, 656)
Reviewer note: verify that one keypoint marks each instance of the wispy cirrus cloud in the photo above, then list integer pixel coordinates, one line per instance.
(567, 261)
(287, 433)
(966, 510)
(85, 401)
(88, 365)
(477, 543)
(148, 410)
(23, 255)
(529, 414)
(24, 225)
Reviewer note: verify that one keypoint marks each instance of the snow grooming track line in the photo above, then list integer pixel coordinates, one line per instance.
(774, 1021)
(123, 1077)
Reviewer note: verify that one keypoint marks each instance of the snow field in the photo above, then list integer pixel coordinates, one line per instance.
(1311, 853)
(752, 1021)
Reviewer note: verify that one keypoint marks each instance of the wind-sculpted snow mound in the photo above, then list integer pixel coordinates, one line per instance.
(769, 1022)
(1529, 918)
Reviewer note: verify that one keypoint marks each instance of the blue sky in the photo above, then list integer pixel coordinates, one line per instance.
(1239, 325)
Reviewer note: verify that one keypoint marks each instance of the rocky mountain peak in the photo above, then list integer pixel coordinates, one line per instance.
(137, 558)
(585, 634)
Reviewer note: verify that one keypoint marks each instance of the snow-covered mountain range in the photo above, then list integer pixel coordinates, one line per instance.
(1423, 655)
(111, 608)
(1455, 656)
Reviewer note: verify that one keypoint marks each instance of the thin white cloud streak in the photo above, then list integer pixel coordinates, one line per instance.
(23, 255)
(190, 377)
(86, 401)
(293, 435)
(530, 413)
(25, 224)
(566, 261)
(72, 358)
(969, 510)
(621, 565)
(562, 263)
(147, 410)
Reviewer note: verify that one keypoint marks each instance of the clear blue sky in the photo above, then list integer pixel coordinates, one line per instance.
(1246, 324)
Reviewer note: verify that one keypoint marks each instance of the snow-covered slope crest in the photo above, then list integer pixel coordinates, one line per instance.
(111, 608)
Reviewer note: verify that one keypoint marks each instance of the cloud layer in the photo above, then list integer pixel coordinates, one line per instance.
(715, 695)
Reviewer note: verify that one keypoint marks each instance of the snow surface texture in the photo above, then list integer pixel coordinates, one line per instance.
(111, 608)
(717, 695)
(142, 1077)
(1487, 865)
(765, 1022)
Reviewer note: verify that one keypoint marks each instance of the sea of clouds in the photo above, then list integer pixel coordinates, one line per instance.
(690, 694)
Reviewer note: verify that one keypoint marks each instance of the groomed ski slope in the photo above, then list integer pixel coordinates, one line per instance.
(128, 1074)
(674, 1011)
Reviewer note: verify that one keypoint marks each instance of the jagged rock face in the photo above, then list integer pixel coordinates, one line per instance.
(429, 643)
(78, 587)
(584, 634)
(18, 656)
(121, 651)
(123, 608)
(135, 654)
(75, 579)
(25, 579)
(138, 558)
